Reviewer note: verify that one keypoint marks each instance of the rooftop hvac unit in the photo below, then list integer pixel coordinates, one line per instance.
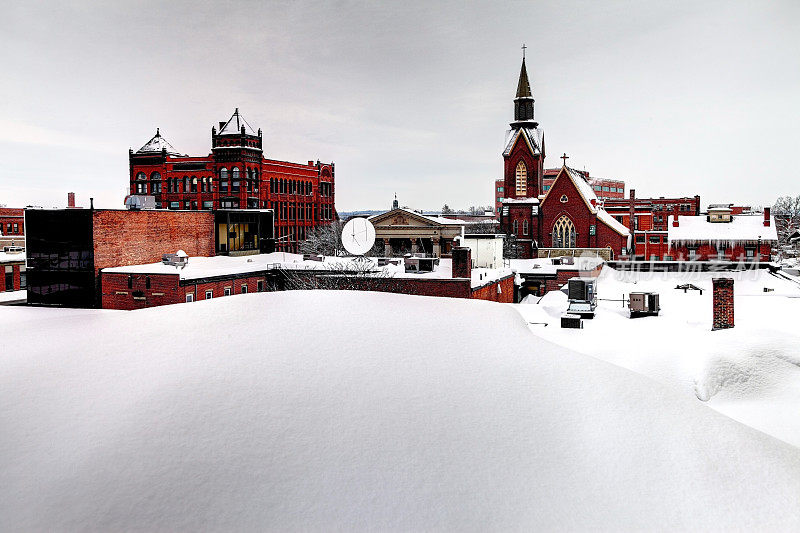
(582, 297)
(136, 202)
(643, 304)
(179, 259)
(571, 321)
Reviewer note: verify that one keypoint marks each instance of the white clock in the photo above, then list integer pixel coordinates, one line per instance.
(358, 236)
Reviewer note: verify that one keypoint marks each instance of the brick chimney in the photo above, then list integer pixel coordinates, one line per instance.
(462, 262)
(675, 222)
(766, 216)
(723, 303)
(70, 199)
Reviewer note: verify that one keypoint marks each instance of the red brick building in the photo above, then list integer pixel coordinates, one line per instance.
(12, 222)
(236, 175)
(603, 188)
(67, 248)
(647, 218)
(721, 236)
(568, 215)
(13, 276)
(150, 285)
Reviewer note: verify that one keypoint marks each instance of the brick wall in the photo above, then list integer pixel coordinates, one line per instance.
(123, 238)
(15, 270)
(12, 221)
(165, 289)
(723, 303)
(489, 291)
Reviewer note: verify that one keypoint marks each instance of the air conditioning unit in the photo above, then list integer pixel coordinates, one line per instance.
(582, 297)
(643, 304)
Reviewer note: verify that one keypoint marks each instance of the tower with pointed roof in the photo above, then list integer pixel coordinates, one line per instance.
(524, 152)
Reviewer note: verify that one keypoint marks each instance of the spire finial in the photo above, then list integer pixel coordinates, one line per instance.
(158, 132)
(564, 158)
(523, 51)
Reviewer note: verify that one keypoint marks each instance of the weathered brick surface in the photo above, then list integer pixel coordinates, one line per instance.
(123, 238)
(11, 215)
(15, 269)
(167, 289)
(490, 292)
(462, 262)
(164, 289)
(723, 303)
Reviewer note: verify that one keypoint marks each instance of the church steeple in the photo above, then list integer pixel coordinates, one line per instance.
(523, 102)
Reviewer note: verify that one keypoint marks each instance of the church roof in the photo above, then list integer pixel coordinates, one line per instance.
(157, 144)
(533, 136)
(590, 199)
(524, 86)
(234, 125)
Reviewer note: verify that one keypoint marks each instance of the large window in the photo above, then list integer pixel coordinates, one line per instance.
(522, 179)
(564, 233)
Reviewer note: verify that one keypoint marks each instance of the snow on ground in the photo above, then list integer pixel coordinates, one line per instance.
(751, 372)
(402, 412)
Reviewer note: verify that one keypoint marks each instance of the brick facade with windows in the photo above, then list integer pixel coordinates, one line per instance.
(236, 175)
(12, 222)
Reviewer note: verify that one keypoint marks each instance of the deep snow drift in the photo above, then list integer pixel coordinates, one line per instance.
(339, 410)
(751, 372)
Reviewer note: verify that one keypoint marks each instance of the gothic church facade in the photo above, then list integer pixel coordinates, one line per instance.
(568, 215)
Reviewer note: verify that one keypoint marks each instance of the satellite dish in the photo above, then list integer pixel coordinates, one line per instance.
(358, 236)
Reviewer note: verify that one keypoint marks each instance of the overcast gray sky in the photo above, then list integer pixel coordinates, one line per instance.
(675, 98)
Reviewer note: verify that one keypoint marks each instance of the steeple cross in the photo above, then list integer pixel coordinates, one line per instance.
(523, 50)
(564, 158)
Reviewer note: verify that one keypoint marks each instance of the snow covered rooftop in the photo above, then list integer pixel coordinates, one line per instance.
(534, 136)
(12, 257)
(740, 228)
(546, 266)
(234, 125)
(157, 144)
(223, 265)
(531, 200)
(240, 413)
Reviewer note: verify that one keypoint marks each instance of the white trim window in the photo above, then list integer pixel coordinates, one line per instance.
(209, 295)
(522, 178)
(189, 297)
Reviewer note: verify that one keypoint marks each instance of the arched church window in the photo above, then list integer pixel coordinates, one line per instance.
(223, 173)
(524, 227)
(515, 227)
(194, 183)
(563, 233)
(522, 179)
(236, 173)
(141, 176)
(155, 176)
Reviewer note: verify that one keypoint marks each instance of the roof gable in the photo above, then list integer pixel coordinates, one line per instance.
(534, 138)
(403, 217)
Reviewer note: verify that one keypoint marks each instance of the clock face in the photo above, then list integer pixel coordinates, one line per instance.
(358, 236)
